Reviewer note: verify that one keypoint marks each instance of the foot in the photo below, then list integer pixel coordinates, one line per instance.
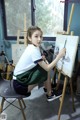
(55, 95)
(51, 97)
(58, 94)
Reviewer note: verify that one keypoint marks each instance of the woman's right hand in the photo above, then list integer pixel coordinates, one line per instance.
(62, 53)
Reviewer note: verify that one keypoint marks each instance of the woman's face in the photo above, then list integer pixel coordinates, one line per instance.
(36, 38)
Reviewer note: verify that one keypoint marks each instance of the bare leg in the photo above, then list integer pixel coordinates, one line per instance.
(30, 87)
(47, 84)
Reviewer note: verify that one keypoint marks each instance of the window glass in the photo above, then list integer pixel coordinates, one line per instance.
(16, 12)
(49, 15)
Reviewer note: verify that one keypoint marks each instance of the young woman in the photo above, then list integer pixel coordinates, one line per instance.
(32, 68)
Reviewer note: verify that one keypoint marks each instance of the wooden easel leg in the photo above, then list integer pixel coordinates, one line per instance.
(72, 95)
(62, 99)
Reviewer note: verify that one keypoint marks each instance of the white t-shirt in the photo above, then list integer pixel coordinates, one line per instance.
(28, 60)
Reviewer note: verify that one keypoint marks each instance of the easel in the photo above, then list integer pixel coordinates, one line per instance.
(24, 32)
(66, 78)
(65, 81)
(19, 40)
(69, 23)
(66, 33)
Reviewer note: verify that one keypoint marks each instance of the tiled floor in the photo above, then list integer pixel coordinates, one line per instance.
(37, 108)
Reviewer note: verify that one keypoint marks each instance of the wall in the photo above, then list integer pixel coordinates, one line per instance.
(5, 43)
(1, 31)
(75, 26)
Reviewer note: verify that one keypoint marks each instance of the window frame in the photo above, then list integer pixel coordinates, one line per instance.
(32, 20)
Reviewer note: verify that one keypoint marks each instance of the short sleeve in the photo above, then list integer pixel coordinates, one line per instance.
(36, 55)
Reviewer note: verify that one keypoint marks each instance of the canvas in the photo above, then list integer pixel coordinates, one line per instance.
(66, 64)
(17, 50)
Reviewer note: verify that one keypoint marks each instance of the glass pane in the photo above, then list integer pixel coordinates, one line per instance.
(15, 12)
(49, 16)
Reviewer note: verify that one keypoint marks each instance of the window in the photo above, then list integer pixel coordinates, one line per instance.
(15, 12)
(47, 14)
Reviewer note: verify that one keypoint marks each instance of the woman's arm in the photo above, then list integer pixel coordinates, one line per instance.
(50, 66)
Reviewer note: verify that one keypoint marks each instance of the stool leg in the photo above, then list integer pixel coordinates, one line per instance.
(62, 99)
(22, 110)
(72, 95)
(2, 103)
(23, 103)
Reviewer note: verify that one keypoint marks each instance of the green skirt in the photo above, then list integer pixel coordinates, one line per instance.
(34, 76)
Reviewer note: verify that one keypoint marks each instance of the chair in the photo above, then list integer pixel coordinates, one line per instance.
(7, 91)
